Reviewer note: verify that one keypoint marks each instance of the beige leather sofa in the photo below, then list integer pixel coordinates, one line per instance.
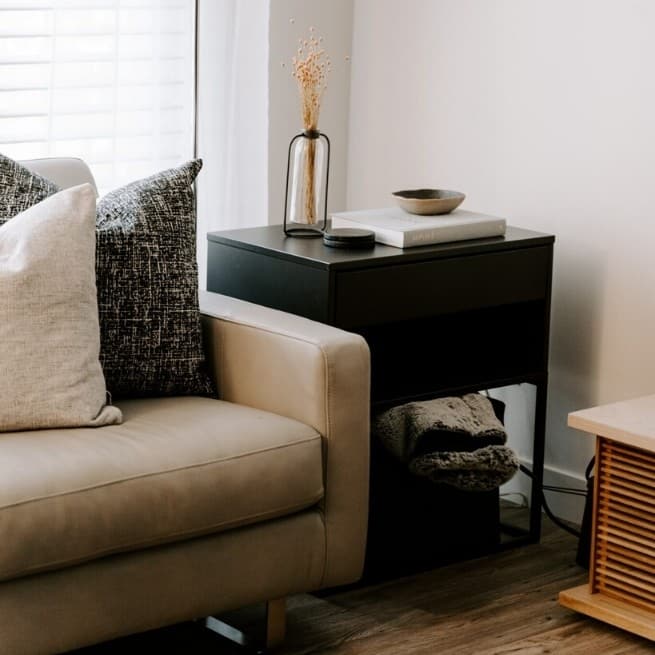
(192, 506)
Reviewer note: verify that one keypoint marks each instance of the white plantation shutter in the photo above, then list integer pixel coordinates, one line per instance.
(110, 81)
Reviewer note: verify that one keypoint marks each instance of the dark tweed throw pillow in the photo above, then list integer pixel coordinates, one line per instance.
(147, 278)
(20, 188)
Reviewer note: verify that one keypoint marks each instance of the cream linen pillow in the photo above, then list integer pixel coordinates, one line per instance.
(50, 373)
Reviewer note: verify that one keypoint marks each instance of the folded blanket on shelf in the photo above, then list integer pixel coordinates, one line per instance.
(454, 441)
(480, 470)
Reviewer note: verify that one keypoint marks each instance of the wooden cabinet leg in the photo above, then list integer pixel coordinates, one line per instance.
(276, 622)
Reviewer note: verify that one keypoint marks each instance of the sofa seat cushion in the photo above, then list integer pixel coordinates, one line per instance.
(176, 468)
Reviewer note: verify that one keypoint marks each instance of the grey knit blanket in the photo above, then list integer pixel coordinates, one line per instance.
(455, 441)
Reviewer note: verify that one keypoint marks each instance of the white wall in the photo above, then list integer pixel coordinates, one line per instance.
(289, 21)
(542, 112)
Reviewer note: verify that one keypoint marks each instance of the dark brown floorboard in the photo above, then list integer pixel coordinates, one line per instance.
(503, 604)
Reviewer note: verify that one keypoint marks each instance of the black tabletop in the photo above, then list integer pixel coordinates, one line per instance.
(272, 241)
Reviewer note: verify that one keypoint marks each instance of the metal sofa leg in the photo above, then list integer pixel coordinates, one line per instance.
(276, 622)
(275, 629)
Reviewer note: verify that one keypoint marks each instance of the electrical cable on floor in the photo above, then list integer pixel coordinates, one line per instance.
(554, 489)
(565, 490)
(558, 522)
(524, 499)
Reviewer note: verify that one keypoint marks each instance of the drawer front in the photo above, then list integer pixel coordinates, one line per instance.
(410, 291)
(268, 281)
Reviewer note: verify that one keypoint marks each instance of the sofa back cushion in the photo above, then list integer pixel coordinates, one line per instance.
(65, 172)
(50, 373)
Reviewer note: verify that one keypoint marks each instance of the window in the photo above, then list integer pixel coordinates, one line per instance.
(110, 81)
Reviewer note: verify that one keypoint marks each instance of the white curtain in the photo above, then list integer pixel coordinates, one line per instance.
(232, 117)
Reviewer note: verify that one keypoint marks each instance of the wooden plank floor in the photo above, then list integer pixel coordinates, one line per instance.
(497, 605)
(505, 603)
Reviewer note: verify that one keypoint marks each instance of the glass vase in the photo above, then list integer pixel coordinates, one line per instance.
(305, 210)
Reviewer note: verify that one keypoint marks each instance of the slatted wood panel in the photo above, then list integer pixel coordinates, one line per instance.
(623, 562)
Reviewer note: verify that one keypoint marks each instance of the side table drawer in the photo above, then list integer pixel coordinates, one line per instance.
(270, 281)
(411, 291)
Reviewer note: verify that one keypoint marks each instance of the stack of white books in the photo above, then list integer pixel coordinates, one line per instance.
(395, 227)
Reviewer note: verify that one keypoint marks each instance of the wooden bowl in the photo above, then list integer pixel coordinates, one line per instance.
(428, 202)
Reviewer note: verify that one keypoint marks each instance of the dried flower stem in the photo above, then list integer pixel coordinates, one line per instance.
(310, 186)
(311, 67)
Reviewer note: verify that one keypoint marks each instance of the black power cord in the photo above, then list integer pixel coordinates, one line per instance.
(564, 490)
(552, 488)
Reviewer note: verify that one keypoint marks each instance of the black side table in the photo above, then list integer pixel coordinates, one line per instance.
(440, 320)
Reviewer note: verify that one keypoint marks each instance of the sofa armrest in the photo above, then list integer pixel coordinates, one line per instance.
(313, 373)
